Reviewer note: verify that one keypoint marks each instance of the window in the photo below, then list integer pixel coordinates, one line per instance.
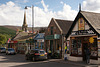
(74, 46)
(42, 52)
(93, 48)
(51, 30)
(79, 44)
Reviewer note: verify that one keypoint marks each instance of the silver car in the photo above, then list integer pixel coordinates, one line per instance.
(10, 51)
(2, 50)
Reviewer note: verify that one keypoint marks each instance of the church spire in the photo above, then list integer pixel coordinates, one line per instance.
(24, 26)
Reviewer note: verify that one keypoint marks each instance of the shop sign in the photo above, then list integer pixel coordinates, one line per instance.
(14, 41)
(82, 32)
(91, 40)
(81, 24)
(40, 40)
(56, 36)
(50, 37)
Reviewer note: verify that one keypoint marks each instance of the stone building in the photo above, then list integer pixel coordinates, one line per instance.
(55, 35)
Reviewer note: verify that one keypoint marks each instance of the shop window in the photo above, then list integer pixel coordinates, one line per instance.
(79, 47)
(74, 47)
(93, 48)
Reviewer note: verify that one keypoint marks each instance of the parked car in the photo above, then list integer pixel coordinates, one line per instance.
(36, 54)
(2, 50)
(10, 51)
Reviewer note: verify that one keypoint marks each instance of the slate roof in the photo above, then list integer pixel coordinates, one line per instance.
(39, 36)
(19, 35)
(26, 37)
(93, 19)
(23, 36)
(64, 25)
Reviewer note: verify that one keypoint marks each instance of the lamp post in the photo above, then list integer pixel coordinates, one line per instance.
(26, 7)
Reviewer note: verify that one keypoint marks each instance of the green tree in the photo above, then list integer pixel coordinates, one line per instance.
(3, 39)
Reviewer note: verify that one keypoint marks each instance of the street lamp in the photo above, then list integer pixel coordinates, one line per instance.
(26, 7)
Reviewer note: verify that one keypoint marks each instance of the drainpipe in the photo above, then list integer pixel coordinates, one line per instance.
(62, 47)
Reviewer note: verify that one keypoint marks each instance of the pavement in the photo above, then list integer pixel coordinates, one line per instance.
(78, 63)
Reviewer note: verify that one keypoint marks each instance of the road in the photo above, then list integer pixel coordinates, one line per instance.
(19, 61)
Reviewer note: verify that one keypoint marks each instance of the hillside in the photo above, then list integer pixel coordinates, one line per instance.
(19, 27)
(4, 30)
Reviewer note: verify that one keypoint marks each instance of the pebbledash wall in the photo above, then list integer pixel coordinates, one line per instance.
(84, 33)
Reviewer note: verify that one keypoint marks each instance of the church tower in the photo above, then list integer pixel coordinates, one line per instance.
(24, 26)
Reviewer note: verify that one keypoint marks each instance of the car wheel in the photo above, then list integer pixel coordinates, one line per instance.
(46, 58)
(33, 59)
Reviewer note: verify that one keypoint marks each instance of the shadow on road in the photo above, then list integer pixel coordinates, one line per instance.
(18, 60)
(12, 58)
(44, 64)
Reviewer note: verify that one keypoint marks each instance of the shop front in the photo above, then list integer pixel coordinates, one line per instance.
(54, 43)
(85, 33)
(79, 45)
(39, 41)
(13, 44)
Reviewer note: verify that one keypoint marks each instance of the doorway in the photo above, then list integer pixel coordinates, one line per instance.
(85, 46)
(51, 46)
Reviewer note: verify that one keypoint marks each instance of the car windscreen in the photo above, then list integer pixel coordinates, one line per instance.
(42, 52)
(10, 49)
(2, 48)
(34, 51)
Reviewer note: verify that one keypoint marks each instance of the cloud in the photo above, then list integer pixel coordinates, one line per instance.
(62, 2)
(45, 6)
(12, 14)
(67, 13)
(21, 1)
(25, 1)
(91, 5)
(37, 3)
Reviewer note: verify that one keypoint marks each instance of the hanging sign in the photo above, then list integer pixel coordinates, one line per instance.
(91, 40)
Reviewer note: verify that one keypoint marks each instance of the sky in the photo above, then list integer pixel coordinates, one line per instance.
(12, 11)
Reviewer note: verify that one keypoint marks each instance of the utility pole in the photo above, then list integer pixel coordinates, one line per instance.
(32, 19)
